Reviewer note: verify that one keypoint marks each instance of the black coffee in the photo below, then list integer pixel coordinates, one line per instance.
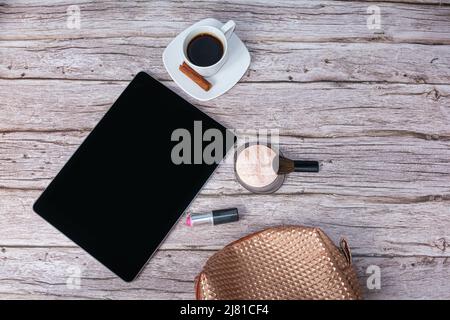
(204, 50)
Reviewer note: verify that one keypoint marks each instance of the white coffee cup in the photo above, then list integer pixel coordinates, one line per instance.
(223, 34)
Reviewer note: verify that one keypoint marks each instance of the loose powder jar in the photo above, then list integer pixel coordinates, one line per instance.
(255, 170)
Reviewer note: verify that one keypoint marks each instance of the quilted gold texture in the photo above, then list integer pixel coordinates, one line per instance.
(289, 262)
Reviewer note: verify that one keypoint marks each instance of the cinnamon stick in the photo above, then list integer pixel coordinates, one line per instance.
(195, 76)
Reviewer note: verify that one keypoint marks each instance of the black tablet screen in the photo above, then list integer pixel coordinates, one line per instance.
(121, 192)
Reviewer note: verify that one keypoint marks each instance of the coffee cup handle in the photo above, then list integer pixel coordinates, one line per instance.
(228, 28)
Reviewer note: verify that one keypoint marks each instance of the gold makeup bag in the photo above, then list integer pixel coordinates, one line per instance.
(291, 262)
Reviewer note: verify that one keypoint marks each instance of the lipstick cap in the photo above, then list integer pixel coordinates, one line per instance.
(225, 215)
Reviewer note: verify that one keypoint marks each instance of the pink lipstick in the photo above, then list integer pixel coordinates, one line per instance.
(213, 217)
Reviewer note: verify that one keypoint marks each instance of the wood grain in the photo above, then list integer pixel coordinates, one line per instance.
(373, 106)
(286, 20)
(306, 109)
(374, 227)
(272, 61)
(397, 168)
(29, 276)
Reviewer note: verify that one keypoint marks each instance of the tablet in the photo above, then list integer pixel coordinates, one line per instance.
(131, 179)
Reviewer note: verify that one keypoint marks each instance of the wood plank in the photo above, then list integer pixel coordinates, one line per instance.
(422, 2)
(374, 227)
(287, 20)
(396, 168)
(305, 109)
(406, 278)
(121, 58)
(43, 273)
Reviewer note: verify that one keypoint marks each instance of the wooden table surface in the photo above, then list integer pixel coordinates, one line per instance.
(373, 105)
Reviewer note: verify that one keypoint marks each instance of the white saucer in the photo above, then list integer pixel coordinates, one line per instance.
(230, 73)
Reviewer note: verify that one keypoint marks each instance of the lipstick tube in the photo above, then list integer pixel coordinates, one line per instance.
(214, 217)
